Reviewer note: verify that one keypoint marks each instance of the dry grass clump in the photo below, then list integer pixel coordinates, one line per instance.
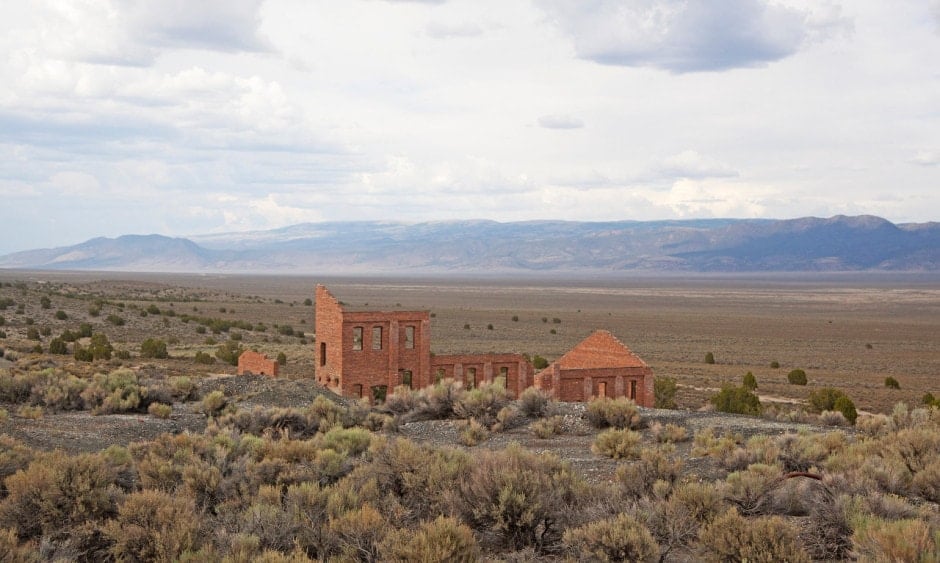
(160, 410)
(616, 413)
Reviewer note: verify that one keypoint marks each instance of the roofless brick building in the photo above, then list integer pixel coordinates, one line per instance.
(366, 354)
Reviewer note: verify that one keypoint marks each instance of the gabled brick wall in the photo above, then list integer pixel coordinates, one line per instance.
(258, 364)
(600, 366)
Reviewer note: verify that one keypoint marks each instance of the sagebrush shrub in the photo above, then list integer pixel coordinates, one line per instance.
(892, 383)
(617, 444)
(534, 402)
(877, 540)
(57, 492)
(213, 403)
(524, 498)
(749, 382)
(668, 433)
(749, 489)
(731, 537)
(621, 538)
(441, 539)
(482, 403)
(548, 427)
(617, 413)
(473, 433)
(636, 480)
(154, 526)
(160, 410)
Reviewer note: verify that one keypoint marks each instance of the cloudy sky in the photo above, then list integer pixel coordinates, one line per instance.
(180, 117)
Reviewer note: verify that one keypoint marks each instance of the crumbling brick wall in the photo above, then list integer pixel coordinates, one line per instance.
(258, 364)
(475, 369)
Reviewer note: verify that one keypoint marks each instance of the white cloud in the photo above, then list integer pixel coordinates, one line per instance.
(927, 158)
(683, 35)
(560, 122)
(442, 30)
(691, 164)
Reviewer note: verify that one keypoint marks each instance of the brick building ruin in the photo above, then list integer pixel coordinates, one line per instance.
(366, 354)
(253, 363)
(600, 366)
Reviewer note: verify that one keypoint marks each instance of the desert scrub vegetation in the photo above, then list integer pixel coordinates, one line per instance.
(664, 392)
(736, 400)
(797, 377)
(831, 399)
(121, 390)
(617, 413)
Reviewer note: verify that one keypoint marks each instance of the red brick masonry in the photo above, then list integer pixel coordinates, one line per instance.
(257, 364)
(600, 366)
(367, 354)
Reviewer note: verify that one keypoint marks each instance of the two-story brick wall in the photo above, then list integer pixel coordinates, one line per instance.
(369, 353)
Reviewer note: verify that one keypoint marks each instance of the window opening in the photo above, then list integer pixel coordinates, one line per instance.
(357, 338)
(376, 338)
(409, 337)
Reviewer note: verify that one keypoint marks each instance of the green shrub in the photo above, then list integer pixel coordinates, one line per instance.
(831, 399)
(58, 346)
(204, 358)
(749, 382)
(515, 318)
(617, 413)
(84, 330)
(731, 537)
(31, 413)
(282, 359)
(153, 348)
(45, 302)
(538, 362)
(736, 400)
(709, 358)
(617, 444)
(797, 377)
(774, 364)
(32, 333)
(229, 352)
(892, 383)
(115, 320)
(61, 315)
(664, 392)
(621, 538)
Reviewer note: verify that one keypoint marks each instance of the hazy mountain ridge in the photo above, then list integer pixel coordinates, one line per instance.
(714, 245)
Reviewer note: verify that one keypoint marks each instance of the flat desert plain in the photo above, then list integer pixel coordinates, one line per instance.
(845, 331)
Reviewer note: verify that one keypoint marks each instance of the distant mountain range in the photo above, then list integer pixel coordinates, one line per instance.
(840, 243)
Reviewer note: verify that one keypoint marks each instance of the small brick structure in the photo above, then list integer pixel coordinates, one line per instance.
(253, 363)
(600, 366)
(366, 354)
